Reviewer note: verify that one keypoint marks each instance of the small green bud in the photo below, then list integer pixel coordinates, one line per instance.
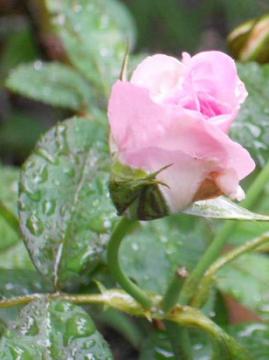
(250, 40)
(136, 194)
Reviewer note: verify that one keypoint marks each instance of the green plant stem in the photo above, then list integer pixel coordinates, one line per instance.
(125, 225)
(218, 242)
(180, 341)
(178, 336)
(208, 278)
(171, 295)
(10, 218)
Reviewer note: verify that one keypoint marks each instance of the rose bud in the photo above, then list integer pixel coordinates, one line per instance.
(250, 40)
(169, 141)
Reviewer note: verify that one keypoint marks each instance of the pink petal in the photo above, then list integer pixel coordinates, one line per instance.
(160, 74)
(213, 73)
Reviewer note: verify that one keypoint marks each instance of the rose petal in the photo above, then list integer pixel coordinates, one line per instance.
(160, 74)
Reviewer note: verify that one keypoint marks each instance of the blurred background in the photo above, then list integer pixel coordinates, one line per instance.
(169, 26)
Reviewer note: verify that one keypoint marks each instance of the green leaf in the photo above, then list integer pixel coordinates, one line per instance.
(246, 279)
(53, 330)
(16, 256)
(20, 282)
(255, 337)
(223, 208)
(95, 35)
(251, 128)
(65, 210)
(19, 48)
(151, 254)
(52, 83)
(8, 197)
(11, 130)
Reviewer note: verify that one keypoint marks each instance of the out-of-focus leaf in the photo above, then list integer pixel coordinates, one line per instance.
(151, 254)
(52, 83)
(253, 336)
(8, 196)
(65, 210)
(18, 48)
(246, 279)
(53, 330)
(95, 35)
(241, 9)
(223, 208)
(19, 133)
(251, 128)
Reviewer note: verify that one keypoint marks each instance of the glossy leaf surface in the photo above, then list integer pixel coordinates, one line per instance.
(65, 210)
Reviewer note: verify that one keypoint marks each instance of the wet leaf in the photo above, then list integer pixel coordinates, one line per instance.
(52, 83)
(151, 254)
(223, 208)
(20, 282)
(95, 35)
(53, 330)
(255, 337)
(65, 210)
(251, 128)
(246, 279)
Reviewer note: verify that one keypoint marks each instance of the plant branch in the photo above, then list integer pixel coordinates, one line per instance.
(208, 278)
(117, 299)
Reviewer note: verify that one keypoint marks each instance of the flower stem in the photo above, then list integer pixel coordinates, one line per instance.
(124, 226)
(208, 278)
(218, 242)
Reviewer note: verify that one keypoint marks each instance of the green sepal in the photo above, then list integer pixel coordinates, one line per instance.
(136, 193)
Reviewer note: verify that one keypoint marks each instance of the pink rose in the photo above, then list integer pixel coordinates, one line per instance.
(178, 113)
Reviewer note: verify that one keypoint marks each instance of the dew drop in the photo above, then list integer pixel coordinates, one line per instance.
(135, 246)
(34, 225)
(48, 207)
(60, 19)
(38, 65)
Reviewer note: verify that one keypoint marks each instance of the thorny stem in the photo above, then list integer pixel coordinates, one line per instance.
(215, 248)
